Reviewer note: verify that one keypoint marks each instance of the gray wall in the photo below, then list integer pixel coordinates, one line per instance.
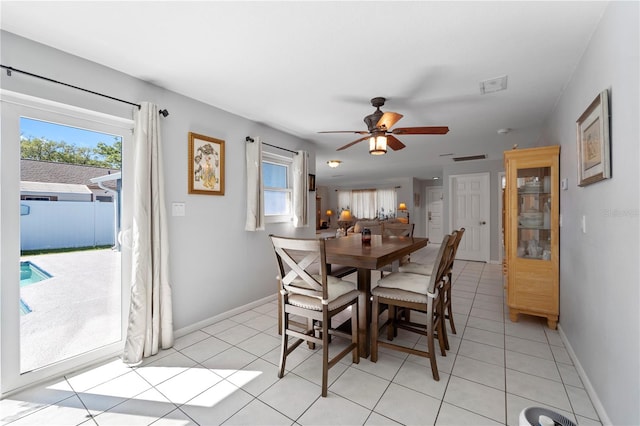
(599, 277)
(215, 264)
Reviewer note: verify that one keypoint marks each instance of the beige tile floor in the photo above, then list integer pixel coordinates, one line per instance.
(226, 373)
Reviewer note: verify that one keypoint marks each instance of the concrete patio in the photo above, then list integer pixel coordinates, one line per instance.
(77, 310)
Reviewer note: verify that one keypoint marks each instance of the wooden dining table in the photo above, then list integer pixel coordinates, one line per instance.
(383, 250)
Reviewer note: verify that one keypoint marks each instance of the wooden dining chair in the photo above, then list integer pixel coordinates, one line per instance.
(376, 229)
(397, 230)
(415, 292)
(306, 290)
(425, 269)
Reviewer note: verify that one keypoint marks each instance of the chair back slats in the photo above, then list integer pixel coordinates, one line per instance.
(458, 239)
(376, 229)
(451, 249)
(299, 255)
(399, 229)
(298, 269)
(440, 264)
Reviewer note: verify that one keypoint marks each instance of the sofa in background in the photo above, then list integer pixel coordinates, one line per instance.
(372, 224)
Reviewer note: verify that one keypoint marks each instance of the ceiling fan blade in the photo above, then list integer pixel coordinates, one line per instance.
(352, 143)
(433, 130)
(359, 132)
(388, 119)
(394, 143)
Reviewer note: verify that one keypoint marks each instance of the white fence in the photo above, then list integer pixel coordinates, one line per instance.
(65, 224)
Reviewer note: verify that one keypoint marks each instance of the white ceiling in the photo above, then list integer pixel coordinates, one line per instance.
(304, 67)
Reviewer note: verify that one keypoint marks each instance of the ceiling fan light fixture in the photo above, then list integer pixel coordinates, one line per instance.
(333, 163)
(377, 145)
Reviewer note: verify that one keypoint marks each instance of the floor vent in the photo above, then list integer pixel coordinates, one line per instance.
(470, 158)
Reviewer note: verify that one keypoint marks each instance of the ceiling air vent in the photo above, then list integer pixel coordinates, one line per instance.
(493, 85)
(470, 157)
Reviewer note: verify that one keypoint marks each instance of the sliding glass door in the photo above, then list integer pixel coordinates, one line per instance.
(64, 271)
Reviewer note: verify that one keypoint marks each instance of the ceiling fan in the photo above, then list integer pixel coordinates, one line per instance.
(380, 134)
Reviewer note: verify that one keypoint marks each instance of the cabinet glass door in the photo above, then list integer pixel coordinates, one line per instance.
(534, 213)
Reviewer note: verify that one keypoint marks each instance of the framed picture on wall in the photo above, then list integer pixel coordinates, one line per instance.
(206, 165)
(312, 182)
(593, 142)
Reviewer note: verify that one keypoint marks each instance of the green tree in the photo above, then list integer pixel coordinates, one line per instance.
(111, 154)
(41, 149)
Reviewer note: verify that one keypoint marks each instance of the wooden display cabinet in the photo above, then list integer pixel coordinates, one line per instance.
(531, 222)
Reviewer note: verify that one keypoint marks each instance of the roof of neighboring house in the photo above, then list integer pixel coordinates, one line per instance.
(48, 171)
(51, 187)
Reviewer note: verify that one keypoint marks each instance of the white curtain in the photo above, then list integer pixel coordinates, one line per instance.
(387, 200)
(364, 203)
(150, 324)
(344, 200)
(255, 197)
(300, 190)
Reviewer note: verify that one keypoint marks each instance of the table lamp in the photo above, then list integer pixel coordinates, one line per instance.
(329, 213)
(345, 218)
(403, 208)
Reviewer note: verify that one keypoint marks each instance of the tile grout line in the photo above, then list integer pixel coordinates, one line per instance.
(456, 354)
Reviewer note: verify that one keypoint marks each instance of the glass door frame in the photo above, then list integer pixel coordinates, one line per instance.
(15, 105)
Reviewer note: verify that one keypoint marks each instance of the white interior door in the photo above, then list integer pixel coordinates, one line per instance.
(434, 215)
(470, 209)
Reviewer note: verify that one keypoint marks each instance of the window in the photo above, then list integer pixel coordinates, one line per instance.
(276, 177)
(369, 203)
(386, 203)
(363, 203)
(344, 200)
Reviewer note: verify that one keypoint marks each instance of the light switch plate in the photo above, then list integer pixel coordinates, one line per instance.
(178, 209)
(564, 184)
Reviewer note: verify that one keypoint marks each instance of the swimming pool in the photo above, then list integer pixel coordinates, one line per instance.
(30, 273)
(24, 308)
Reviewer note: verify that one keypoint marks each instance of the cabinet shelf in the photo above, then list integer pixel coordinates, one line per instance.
(536, 228)
(521, 192)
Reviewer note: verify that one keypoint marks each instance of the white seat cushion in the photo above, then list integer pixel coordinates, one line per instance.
(396, 294)
(416, 268)
(335, 286)
(415, 283)
(314, 303)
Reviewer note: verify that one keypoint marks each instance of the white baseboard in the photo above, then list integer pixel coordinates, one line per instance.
(597, 404)
(217, 318)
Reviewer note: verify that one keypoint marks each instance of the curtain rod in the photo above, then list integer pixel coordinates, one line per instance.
(162, 112)
(250, 139)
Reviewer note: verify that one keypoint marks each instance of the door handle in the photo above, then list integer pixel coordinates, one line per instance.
(429, 215)
(482, 222)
